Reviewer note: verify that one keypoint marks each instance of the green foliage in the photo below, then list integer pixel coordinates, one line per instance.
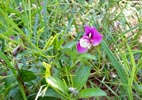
(26, 75)
(91, 92)
(57, 84)
(115, 63)
(81, 77)
(52, 93)
(33, 32)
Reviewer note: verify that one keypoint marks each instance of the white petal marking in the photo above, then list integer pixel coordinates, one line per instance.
(85, 43)
(90, 35)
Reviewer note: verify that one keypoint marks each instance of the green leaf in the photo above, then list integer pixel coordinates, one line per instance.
(81, 77)
(57, 83)
(69, 45)
(3, 56)
(15, 93)
(26, 75)
(88, 56)
(52, 93)
(91, 92)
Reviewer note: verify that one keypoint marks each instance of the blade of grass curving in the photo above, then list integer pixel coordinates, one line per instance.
(133, 72)
(132, 28)
(115, 63)
(11, 22)
(120, 70)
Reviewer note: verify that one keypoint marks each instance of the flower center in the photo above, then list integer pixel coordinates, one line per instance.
(90, 35)
(85, 43)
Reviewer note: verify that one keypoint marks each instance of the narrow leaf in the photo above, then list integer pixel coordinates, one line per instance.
(57, 83)
(52, 93)
(91, 92)
(81, 77)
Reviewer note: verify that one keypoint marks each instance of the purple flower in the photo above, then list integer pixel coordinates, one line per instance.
(90, 38)
(12, 37)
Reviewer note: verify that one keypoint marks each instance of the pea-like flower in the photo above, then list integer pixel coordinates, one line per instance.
(90, 38)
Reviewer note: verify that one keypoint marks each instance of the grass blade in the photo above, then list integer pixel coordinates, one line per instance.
(115, 63)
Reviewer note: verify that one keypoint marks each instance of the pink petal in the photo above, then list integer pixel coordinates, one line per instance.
(81, 49)
(87, 30)
(96, 37)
